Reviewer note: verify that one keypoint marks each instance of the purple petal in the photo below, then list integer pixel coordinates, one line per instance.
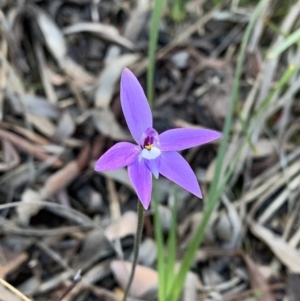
(118, 156)
(134, 105)
(180, 139)
(174, 167)
(141, 179)
(153, 166)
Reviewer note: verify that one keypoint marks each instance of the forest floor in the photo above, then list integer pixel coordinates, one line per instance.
(60, 67)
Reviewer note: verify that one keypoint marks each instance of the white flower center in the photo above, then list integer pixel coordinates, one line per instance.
(151, 154)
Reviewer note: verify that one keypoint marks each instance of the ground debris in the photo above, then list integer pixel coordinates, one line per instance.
(60, 68)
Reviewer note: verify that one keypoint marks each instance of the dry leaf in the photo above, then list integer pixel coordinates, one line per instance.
(109, 77)
(105, 122)
(289, 256)
(10, 156)
(60, 179)
(30, 286)
(77, 73)
(190, 288)
(180, 59)
(54, 38)
(147, 253)
(104, 31)
(94, 246)
(31, 104)
(30, 148)
(137, 20)
(13, 264)
(56, 44)
(228, 227)
(43, 124)
(44, 71)
(63, 177)
(65, 128)
(34, 137)
(125, 226)
(24, 213)
(38, 106)
(264, 148)
(144, 279)
(258, 281)
(223, 227)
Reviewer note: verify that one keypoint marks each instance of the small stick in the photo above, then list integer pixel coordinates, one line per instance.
(14, 290)
(137, 242)
(76, 279)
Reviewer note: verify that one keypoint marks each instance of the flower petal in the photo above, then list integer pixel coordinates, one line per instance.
(134, 105)
(141, 179)
(118, 156)
(153, 166)
(151, 154)
(174, 167)
(180, 139)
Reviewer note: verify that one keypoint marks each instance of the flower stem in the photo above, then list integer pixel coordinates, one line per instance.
(137, 242)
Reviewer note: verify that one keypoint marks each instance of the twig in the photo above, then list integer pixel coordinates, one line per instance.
(245, 294)
(136, 246)
(76, 279)
(14, 290)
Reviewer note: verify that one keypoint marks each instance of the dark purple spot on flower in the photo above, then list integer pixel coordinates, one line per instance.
(148, 142)
(149, 139)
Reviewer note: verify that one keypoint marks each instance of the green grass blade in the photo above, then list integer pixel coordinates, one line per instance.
(275, 28)
(215, 192)
(281, 83)
(160, 247)
(154, 27)
(288, 42)
(291, 70)
(178, 12)
(172, 245)
(217, 2)
(279, 87)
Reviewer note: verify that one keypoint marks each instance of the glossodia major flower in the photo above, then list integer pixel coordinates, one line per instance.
(153, 154)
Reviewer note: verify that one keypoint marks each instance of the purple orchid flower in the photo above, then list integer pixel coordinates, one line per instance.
(154, 154)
